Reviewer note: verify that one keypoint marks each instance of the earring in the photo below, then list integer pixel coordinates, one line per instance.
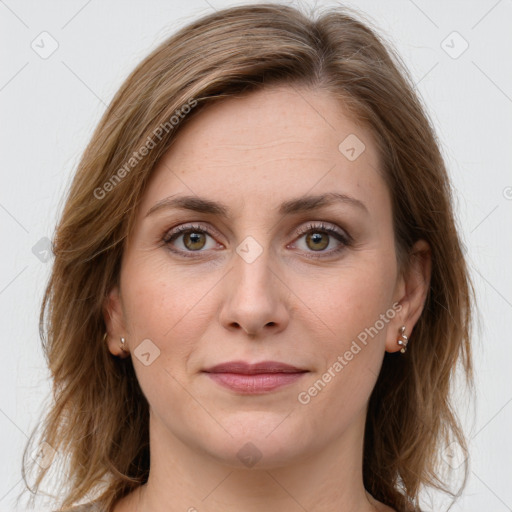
(403, 339)
(122, 342)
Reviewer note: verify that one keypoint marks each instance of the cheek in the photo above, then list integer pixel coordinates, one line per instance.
(356, 306)
(163, 304)
(155, 294)
(352, 352)
(353, 300)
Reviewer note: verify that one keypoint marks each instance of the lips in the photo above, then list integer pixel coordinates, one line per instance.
(243, 368)
(254, 378)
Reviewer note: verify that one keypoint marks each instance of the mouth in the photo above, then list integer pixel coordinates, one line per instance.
(256, 378)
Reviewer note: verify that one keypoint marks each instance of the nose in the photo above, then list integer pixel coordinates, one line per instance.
(255, 297)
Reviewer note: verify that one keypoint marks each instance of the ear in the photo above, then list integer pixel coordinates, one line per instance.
(411, 292)
(113, 315)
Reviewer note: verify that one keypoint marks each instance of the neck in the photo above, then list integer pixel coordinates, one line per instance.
(184, 479)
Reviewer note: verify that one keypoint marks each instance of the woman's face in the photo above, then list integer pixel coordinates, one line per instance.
(262, 272)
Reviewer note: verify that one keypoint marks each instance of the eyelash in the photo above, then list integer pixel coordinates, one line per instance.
(345, 240)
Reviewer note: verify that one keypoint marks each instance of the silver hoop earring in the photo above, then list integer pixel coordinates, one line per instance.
(403, 340)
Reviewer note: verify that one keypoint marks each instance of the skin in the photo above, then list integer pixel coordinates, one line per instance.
(252, 153)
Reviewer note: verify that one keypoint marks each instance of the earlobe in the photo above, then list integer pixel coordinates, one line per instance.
(397, 339)
(403, 340)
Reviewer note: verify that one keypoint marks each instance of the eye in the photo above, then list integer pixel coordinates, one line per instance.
(317, 237)
(193, 239)
(189, 239)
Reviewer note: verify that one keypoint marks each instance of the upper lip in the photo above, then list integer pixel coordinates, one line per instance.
(242, 367)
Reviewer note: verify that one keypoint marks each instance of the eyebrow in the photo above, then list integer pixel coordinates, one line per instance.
(293, 206)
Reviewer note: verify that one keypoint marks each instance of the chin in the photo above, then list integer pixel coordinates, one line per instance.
(257, 455)
(260, 441)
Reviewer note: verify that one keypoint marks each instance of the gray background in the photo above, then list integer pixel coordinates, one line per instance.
(50, 105)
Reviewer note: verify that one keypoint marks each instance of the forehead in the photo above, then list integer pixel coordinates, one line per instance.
(268, 146)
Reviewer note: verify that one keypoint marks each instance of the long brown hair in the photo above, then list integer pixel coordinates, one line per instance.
(98, 418)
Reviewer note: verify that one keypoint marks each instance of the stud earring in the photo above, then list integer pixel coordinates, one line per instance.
(403, 339)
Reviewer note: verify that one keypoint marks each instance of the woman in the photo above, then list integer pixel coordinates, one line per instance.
(259, 297)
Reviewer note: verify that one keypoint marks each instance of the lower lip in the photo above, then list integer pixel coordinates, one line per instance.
(256, 383)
